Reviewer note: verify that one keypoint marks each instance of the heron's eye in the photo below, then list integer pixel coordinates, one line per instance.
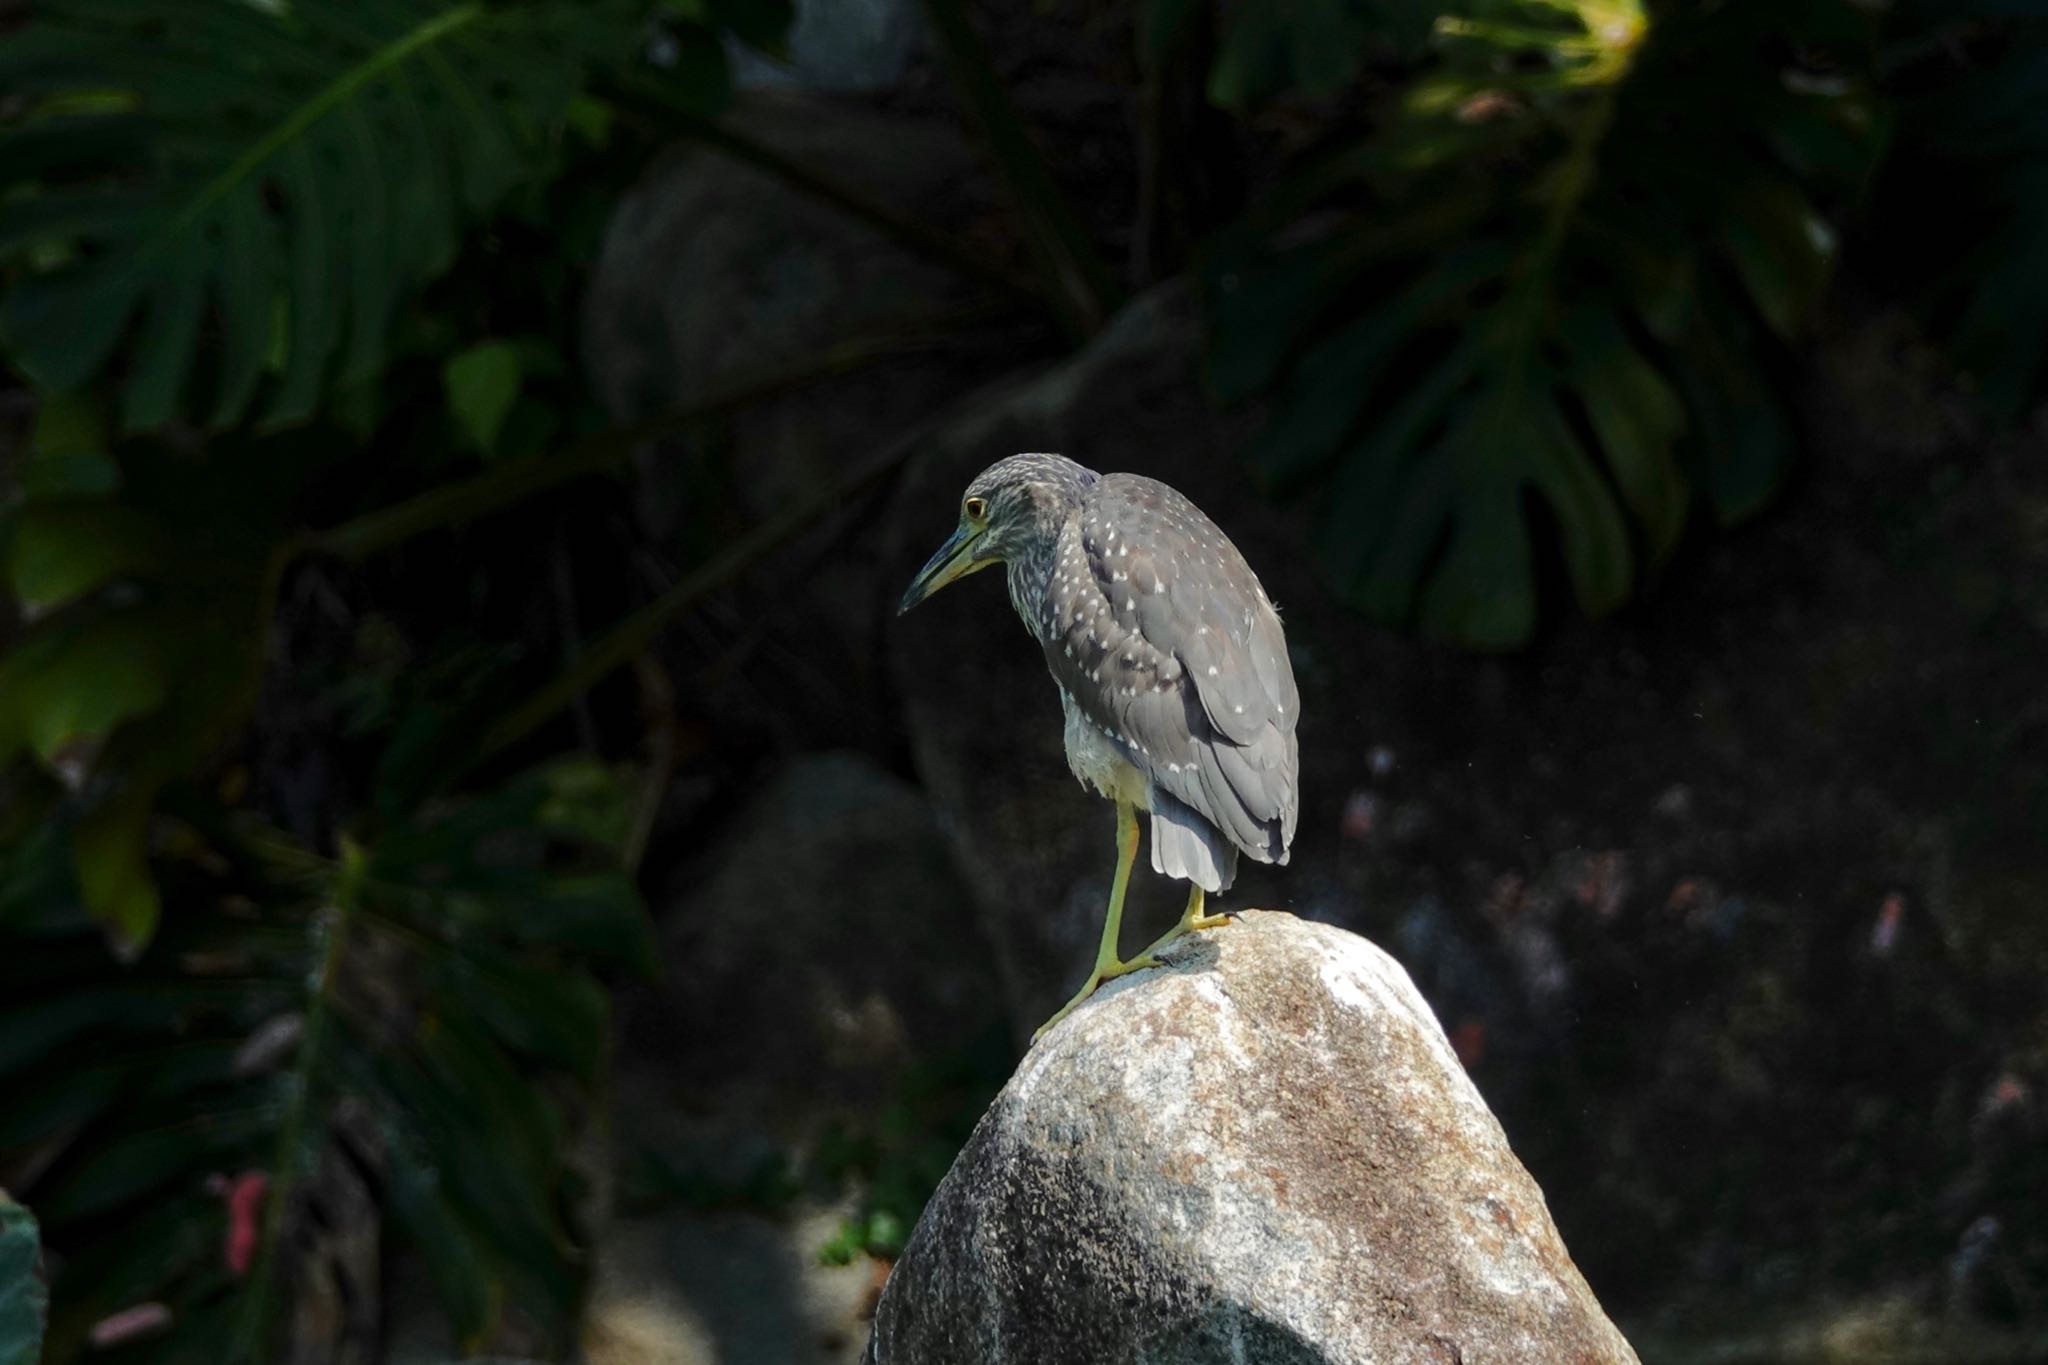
(977, 509)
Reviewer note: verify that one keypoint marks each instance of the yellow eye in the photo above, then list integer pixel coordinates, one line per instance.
(976, 509)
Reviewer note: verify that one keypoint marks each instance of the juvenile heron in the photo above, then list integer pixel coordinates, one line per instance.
(1171, 666)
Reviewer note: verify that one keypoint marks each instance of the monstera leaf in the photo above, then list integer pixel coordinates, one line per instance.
(224, 201)
(1592, 351)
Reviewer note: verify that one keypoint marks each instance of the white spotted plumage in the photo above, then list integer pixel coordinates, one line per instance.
(1173, 668)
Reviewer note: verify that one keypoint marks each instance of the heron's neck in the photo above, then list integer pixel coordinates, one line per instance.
(1030, 574)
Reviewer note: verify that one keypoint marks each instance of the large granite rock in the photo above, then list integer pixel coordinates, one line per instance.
(1265, 1153)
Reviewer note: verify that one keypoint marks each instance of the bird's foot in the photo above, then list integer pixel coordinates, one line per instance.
(1188, 924)
(1113, 970)
(1104, 971)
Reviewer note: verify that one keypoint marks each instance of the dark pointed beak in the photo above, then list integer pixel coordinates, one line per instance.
(955, 559)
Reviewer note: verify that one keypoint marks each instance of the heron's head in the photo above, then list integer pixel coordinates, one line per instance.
(1012, 507)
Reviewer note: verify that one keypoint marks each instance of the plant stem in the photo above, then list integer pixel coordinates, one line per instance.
(509, 483)
(1078, 283)
(334, 924)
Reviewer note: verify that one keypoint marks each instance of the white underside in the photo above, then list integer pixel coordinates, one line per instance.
(1182, 844)
(1100, 763)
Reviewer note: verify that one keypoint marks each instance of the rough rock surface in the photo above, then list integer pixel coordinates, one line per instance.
(1266, 1153)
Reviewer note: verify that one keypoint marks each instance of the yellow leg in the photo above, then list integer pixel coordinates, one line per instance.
(1107, 967)
(1191, 919)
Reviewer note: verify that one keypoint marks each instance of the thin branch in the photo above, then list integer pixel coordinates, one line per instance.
(904, 231)
(658, 711)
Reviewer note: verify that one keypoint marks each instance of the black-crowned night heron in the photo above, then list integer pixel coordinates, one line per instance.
(1171, 666)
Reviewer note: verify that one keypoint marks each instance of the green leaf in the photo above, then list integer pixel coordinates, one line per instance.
(121, 694)
(536, 1009)
(24, 1298)
(135, 1164)
(1638, 418)
(1744, 438)
(1327, 391)
(524, 854)
(68, 450)
(37, 891)
(38, 1027)
(443, 1237)
(511, 1213)
(1260, 310)
(42, 1105)
(482, 384)
(1595, 538)
(1782, 250)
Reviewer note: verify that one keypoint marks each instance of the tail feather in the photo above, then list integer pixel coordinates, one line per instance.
(1186, 846)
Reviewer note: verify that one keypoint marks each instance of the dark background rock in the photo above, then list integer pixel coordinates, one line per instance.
(843, 46)
(716, 275)
(1265, 1152)
(823, 949)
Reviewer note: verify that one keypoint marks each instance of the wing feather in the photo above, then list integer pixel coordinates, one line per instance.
(1167, 643)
